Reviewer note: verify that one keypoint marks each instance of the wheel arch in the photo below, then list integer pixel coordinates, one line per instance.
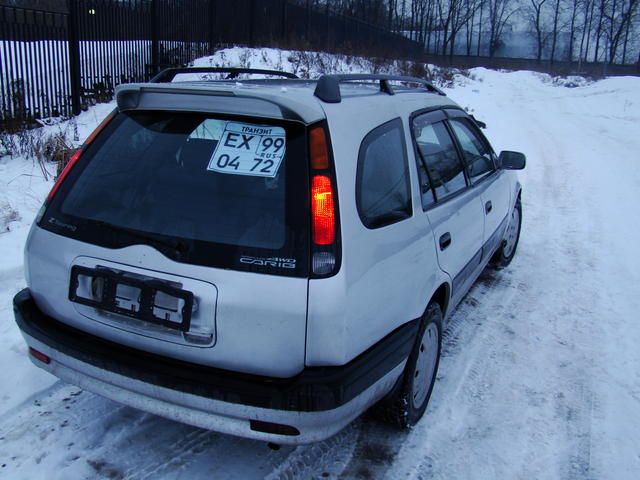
(441, 296)
(518, 192)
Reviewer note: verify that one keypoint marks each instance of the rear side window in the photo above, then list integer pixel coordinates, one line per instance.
(439, 153)
(383, 191)
(202, 189)
(476, 153)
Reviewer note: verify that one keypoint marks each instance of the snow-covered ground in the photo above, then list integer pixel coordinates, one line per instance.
(540, 375)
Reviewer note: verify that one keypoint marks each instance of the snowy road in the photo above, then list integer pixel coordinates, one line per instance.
(540, 376)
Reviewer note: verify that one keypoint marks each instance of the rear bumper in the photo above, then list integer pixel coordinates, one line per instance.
(317, 403)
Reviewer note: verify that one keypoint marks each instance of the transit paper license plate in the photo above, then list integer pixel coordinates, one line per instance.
(249, 149)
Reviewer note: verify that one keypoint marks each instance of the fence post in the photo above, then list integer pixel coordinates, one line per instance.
(212, 26)
(308, 29)
(328, 19)
(155, 43)
(284, 21)
(74, 57)
(252, 15)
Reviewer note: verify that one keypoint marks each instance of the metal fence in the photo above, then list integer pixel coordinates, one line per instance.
(58, 63)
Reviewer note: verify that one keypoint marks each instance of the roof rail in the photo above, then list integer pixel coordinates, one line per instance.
(328, 86)
(167, 75)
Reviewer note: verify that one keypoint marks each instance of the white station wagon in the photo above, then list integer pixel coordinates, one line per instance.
(266, 257)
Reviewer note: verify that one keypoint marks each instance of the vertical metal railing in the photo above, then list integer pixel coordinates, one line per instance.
(34, 74)
(58, 63)
(74, 57)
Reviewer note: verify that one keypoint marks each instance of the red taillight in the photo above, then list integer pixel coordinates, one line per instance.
(76, 156)
(39, 355)
(323, 219)
(318, 149)
(325, 228)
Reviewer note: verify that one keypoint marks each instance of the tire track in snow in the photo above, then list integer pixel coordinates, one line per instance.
(326, 459)
(578, 219)
(569, 222)
(177, 452)
(70, 430)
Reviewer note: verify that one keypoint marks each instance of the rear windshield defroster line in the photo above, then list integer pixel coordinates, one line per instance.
(204, 189)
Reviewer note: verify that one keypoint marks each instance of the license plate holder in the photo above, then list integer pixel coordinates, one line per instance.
(155, 296)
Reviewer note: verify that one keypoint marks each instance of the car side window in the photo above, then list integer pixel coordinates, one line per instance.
(476, 153)
(440, 156)
(383, 193)
(426, 192)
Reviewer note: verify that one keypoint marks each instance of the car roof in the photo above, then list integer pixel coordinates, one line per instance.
(291, 99)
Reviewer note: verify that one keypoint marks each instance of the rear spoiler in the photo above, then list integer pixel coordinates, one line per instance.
(213, 98)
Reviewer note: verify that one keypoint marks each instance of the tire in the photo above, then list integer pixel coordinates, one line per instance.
(408, 401)
(509, 245)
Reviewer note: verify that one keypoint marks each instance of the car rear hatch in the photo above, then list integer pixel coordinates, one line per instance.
(185, 234)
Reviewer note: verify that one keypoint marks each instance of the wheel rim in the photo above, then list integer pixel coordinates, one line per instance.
(425, 364)
(512, 233)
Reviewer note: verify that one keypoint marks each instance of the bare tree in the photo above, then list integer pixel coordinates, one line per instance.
(556, 29)
(431, 18)
(423, 11)
(595, 30)
(536, 14)
(469, 27)
(480, 24)
(453, 16)
(390, 12)
(617, 22)
(625, 43)
(500, 12)
(599, 28)
(467, 21)
(632, 30)
(589, 11)
(575, 5)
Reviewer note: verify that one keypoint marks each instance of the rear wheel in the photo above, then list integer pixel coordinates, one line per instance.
(507, 250)
(408, 401)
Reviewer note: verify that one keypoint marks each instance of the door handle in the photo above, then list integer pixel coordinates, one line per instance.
(488, 207)
(445, 241)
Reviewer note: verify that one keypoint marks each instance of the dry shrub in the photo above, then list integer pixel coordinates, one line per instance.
(42, 147)
(58, 149)
(8, 144)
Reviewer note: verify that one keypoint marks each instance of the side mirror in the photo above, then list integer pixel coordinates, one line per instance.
(512, 160)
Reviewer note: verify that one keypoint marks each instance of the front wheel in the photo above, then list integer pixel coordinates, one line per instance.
(507, 250)
(408, 402)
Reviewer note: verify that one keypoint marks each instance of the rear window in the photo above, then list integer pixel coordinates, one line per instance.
(209, 190)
